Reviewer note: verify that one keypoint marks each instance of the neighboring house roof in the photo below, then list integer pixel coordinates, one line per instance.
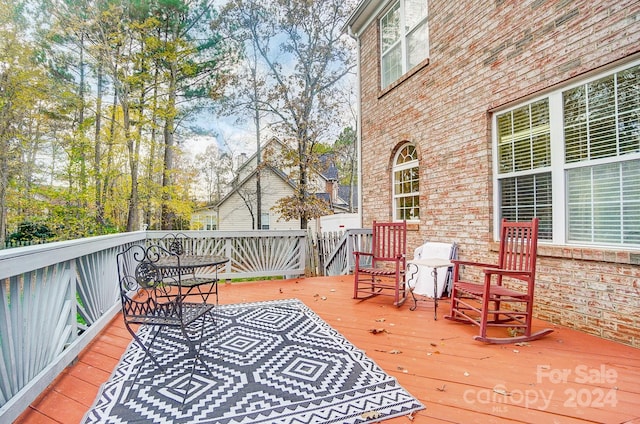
(343, 193)
(205, 208)
(253, 158)
(330, 174)
(249, 176)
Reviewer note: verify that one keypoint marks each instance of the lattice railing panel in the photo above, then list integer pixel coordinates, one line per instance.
(37, 321)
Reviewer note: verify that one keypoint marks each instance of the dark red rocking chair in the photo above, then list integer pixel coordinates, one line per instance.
(483, 303)
(386, 273)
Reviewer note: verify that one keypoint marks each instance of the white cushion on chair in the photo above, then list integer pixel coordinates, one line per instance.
(422, 281)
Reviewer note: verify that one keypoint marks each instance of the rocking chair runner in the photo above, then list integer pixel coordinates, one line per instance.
(483, 304)
(386, 274)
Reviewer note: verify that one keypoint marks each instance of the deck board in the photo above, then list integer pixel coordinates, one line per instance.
(455, 377)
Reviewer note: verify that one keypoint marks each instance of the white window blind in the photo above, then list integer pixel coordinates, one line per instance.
(601, 136)
(594, 138)
(524, 152)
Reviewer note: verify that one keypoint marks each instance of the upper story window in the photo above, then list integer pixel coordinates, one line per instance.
(406, 187)
(572, 158)
(264, 220)
(403, 39)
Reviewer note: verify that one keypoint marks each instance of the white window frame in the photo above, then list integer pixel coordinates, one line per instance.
(402, 167)
(558, 166)
(404, 35)
(265, 221)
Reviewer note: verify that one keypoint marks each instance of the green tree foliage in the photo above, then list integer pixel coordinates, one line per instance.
(347, 161)
(29, 231)
(92, 97)
(28, 116)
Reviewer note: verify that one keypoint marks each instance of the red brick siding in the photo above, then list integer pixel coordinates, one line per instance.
(483, 55)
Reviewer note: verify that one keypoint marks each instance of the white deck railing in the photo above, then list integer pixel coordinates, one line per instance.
(55, 298)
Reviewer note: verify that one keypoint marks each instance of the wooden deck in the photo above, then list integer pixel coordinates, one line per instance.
(567, 377)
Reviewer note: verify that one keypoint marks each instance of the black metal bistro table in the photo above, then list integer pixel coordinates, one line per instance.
(181, 269)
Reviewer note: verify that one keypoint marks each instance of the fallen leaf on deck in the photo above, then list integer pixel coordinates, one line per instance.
(377, 330)
(502, 392)
(332, 290)
(516, 351)
(369, 415)
(380, 320)
(324, 298)
(395, 352)
(442, 389)
(433, 344)
(522, 344)
(466, 374)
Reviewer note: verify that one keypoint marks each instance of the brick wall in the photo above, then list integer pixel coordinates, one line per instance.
(484, 54)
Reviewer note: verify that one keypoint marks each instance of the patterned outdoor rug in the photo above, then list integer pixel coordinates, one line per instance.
(272, 362)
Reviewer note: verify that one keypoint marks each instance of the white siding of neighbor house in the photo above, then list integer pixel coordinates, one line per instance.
(234, 215)
(200, 218)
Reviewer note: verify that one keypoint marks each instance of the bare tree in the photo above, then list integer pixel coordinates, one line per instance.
(304, 54)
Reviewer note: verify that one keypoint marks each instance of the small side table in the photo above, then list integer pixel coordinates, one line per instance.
(434, 264)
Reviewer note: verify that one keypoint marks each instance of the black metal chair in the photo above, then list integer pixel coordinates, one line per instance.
(153, 298)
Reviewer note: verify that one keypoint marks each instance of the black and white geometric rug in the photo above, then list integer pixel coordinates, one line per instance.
(272, 362)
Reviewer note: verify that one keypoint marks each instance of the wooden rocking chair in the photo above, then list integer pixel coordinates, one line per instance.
(386, 273)
(483, 304)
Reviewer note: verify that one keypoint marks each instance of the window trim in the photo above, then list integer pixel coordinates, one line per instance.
(558, 167)
(266, 215)
(415, 163)
(403, 36)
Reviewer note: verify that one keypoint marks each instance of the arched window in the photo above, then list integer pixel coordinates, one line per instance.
(406, 185)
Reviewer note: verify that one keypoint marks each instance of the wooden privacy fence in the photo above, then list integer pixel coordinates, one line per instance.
(331, 253)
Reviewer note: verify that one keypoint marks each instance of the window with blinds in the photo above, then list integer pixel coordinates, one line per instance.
(264, 220)
(595, 165)
(406, 185)
(524, 151)
(602, 143)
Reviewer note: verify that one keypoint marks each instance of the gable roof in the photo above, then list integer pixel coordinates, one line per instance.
(253, 157)
(329, 174)
(252, 160)
(249, 176)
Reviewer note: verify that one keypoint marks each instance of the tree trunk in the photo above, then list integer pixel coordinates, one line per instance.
(98, 151)
(168, 217)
